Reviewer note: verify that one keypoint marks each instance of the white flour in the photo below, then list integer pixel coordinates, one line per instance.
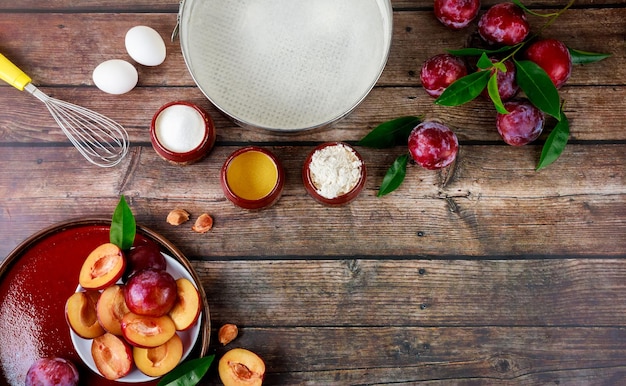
(335, 170)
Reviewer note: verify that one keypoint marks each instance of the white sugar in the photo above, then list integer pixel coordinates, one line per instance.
(180, 128)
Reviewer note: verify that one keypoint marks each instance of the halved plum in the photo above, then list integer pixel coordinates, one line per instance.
(187, 308)
(240, 367)
(160, 360)
(147, 331)
(111, 308)
(81, 316)
(103, 267)
(112, 356)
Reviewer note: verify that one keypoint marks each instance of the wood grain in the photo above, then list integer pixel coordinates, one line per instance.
(478, 210)
(484, 273)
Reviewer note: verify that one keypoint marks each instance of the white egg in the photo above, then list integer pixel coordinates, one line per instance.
(145, 45)
(115, 76)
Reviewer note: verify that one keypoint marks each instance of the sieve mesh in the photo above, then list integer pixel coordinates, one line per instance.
(285, 65)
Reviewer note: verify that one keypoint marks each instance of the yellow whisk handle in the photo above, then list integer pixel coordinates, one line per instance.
(11, 74)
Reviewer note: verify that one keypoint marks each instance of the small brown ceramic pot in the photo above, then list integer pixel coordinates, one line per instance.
(315, 191)
(252, 178)
(182, 132)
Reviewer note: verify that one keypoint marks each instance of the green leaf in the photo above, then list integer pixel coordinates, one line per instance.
(584, 57)
(395, 175)
(464, 89)
(188, 373)
(484, 62)
(478, 51)
(538, 87)
(555, 144)
(492, 88)
(123, 226)
(390, 133)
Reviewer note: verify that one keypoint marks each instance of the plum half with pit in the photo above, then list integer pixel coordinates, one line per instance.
(112, 356)
(456, 14)
(440, 71)
(147, 331)
(504, 24)
(433, 145)
(522, 125)
(102, 267)
(240, 367)
(52, 372)
(159, 360)
(188, 306)
(150, 292)
(553, 57)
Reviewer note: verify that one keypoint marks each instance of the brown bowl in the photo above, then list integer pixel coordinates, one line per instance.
(170, 148)
(252, 178)
(315, 192)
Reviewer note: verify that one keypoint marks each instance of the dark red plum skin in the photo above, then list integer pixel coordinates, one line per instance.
(150, 292)
(553, 57)
(504, 24)
(142, 256)
(52, 372)
(440, 71)
(507, 86)
(522, 125)
(433, 145)
(456, 14)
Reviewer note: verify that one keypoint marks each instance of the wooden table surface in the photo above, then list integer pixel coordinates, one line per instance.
(488, 272)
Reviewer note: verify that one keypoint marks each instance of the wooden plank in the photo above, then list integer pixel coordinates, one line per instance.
(592, 112)
(415, 293)
(477, 210)
(437, 356)
(161, 5)
(89, 39)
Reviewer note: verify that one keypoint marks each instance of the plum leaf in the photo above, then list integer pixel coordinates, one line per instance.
(123, 226)
(188, 373)
(538, 87)
(464, 89)
(555, 144)
(492, 89)
(390, 133)
(395, 175)
(584, 57)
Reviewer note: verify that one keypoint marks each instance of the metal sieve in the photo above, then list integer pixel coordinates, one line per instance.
(285, 65)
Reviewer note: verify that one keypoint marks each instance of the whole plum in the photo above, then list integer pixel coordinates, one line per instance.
(142, 256)
(433, 145)
(456, 14)
(553, 57)
(150, 292)
(504, 23)
(522, 125)
(507, 86)
(440, 71)
(52, 372)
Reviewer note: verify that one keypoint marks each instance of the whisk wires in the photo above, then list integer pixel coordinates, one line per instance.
(99, 139)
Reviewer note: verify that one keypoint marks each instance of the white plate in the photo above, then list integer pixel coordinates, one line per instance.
(189, 337)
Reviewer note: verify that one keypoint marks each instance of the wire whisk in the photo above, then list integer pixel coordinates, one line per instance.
(99, 139)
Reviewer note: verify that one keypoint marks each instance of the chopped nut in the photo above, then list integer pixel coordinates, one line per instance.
(203, 224)
(177, 217)
(227, 333)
